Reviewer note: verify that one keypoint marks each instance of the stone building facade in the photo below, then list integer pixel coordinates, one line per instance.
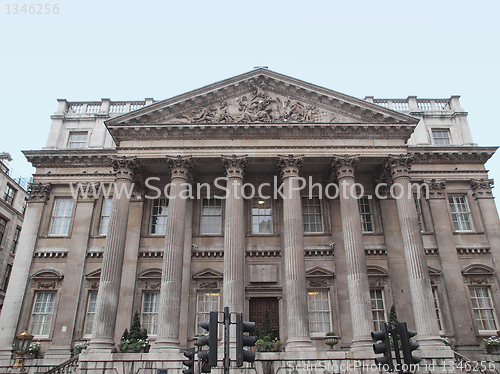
(13, 199)
(423, 235)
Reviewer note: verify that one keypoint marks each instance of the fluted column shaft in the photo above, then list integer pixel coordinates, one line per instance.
(357, 274)
(416, 263)
(171, 280)
(295, 284)
(13, 301)
(106, 309)
(234, 236)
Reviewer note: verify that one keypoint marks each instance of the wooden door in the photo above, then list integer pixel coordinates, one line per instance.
(258, 307)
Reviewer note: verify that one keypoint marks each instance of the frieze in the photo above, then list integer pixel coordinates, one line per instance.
(436, 188)
(318, 283)
(39, 192)
(481, 188)
(151, 286)
(235, 166)
(208, 285)
(344, 166)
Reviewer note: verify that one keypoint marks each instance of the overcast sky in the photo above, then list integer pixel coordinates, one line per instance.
(129, 50)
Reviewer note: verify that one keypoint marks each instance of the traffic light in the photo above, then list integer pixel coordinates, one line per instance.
(383, 347)
(205, 367)
(190, 362)
(210, 339)
(244, 341)
(407, 346)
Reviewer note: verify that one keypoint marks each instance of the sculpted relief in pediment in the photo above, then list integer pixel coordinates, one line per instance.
(259, 105)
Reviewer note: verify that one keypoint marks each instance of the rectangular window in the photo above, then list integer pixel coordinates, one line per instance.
(441, 137)
(15, 241)
(437, 308)
(43, 311)
(105, 214)
(460, 213)
(3, 224)
(6, 277)
(77, 140)
(312, 215)
(378, 308)
(319, 311)
(159, 213)
(418, 206)
(365, 213)
(61, 217)
(89, 316)
(208, 301)
(262, 216)
(211, 216)
(150, 309)
(482, 306)
(9, 194)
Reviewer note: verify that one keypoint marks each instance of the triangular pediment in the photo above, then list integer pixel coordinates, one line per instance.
(208, 274)
(261, 96)
(319, 272)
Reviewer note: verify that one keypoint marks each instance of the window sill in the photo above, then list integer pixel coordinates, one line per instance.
(468, 232)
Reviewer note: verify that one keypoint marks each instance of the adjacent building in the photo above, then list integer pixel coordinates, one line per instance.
(226, 196)
(12, 204)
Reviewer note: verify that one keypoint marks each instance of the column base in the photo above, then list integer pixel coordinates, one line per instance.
(166, 346)
(431, 345)
(102, 346)
(299, 344)
(362, 346)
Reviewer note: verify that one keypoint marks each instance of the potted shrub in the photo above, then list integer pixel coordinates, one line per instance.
(80, 346)
(34, 348)
(492, 344)
(135, 340)
(331, 339)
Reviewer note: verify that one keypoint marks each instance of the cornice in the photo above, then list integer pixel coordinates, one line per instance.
(451, 155)
(70, 158)
(317, 130)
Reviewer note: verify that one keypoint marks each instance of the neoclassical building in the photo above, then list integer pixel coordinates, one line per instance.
(226, 196)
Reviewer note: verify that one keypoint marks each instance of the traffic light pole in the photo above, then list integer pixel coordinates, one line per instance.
(227, 324)
(395, 340)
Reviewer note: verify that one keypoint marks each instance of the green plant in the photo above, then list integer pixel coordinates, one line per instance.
(34, 347)
(80, 346)
(268, 344)
(135, 338)
(331, 333)
(267, 336)
(492, 341)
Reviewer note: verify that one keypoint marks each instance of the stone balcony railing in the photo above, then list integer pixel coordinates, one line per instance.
(412, 104)
(105, 107)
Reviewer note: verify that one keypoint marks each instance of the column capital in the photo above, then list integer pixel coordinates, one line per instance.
(124, 167)
(436, 188)
(89, 192)
(481, 188)
(344, 166)
(180, 166)
(399, 166)
(235, 165)
(39, 192)
(290, 165)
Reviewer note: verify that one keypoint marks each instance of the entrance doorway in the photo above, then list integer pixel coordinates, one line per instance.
(258, 307)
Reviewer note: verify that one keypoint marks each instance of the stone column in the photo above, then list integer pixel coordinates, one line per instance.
(357, 274)
(39, 194)
(103, 331)
(60, 347)
(295, 285)
(416, 263)
(234, 235)
(171, 279)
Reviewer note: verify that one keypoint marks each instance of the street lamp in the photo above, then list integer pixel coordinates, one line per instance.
(21, 345)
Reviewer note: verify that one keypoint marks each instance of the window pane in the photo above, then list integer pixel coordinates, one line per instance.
(89, 317)
(61, 217)
(319, 311)
(159, 214)
(378, 308)
(312, 215)
(262, 219)
(207, 302)
(43, 309)
(150, 308)
(105, 214)
(441, 137)
(483, 309)
(211, 216)
(460, 213)
(365, 213)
